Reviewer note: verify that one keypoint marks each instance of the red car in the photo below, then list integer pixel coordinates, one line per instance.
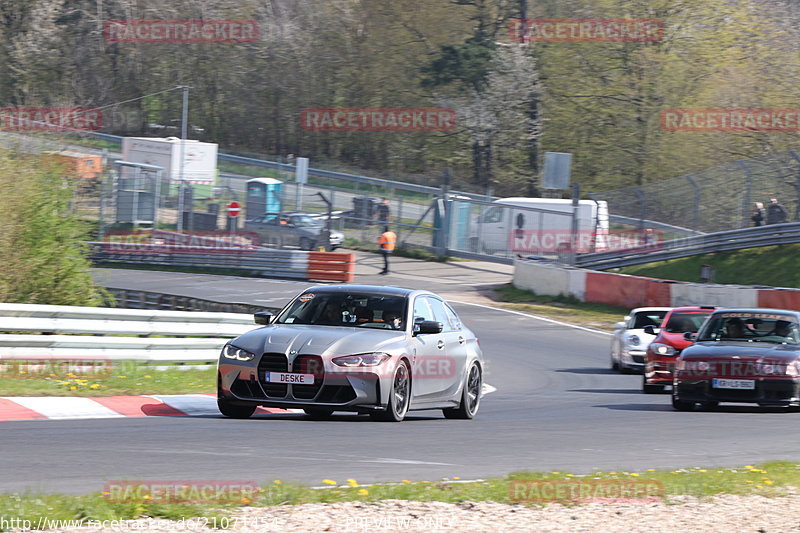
(659, 360)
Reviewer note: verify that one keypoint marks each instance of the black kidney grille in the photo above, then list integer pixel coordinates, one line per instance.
(273, 362)
(308, 364)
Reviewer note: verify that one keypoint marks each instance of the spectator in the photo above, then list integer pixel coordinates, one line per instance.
(776, 213)
(383, 211)
(758, 214)
(387, 241)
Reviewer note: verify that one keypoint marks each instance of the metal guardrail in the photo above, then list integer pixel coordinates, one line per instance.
(678, 230)
(44, 332)
(708, 243)
(132, 299)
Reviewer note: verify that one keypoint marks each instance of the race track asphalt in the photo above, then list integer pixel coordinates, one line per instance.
(557, 407)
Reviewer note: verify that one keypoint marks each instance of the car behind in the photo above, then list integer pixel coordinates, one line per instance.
(629, 341)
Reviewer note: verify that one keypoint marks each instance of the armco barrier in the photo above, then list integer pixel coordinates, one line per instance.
(68, 332)
(633, 291)
(295, 264)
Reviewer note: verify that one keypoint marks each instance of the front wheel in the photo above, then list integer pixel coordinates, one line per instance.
(470, 396)
(233, 410)
(651, 389)
(399, 396)
(681, 405)
(306, 244)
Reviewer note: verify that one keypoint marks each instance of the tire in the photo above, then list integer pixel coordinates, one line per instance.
(399, 395)
(470, 396)
(231, 410)
(318, 413)
(306, 244)
(681, 405)
(651, 389)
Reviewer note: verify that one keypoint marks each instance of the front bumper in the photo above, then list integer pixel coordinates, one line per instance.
(342, 390)
(659, 372)
(767, 392)
(632, 358)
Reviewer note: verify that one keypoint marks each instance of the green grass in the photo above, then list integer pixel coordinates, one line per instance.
(123, 378)
(769, 479)
(774, 266)
(566, 308)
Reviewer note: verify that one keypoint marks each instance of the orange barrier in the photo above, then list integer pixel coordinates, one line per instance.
(779, 298)
(626, 291)
(331, 266)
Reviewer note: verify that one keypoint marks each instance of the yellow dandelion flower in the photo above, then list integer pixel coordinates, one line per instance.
(329, 482)
(71, 375)
(277, 481)
(94, 386)
(148, 497)
(612, 473)
(768, 481)
(426, 481)
(148, 376)
(702, 470)
(352, 482)
(456, 477)
(73, 388)
(748, 481)
(634, 474)
(759, 486)
(749, 467)
(52, 375)
(363, 492)
(122, 377)
(570, 475)
(406, 481)
(651, 469)
(556, 473)
(245, 500)
(23, 372)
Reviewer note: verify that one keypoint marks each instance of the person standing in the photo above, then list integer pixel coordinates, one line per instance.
(387, 242)
(776, 213)
(758, 214)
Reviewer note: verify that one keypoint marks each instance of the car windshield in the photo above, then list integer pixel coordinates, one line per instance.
(686, 321)
(648, 318)
(347, 309)
(304, 221)
(751, 327)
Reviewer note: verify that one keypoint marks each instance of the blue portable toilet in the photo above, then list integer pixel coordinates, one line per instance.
(263, 196)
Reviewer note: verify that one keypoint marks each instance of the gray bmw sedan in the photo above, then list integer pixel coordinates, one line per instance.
(369, 349)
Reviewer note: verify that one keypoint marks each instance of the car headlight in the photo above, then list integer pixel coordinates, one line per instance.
(229, 351)
(662, 349)
(363, 359)
(633, 340)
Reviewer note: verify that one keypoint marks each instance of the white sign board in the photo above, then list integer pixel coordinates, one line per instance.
(301, 170)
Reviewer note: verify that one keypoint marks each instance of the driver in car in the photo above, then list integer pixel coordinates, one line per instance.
(393, 319)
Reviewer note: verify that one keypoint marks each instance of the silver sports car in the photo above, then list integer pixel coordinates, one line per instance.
(377, 350)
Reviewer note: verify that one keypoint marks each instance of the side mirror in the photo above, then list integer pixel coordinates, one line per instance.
(619, 325)
(689, 336)
(650, 330)
(427, 326)
(263, 318)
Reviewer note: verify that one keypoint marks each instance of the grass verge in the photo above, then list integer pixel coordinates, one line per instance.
(772, 479)
(566, 308)
(774, 266)
(120, 379)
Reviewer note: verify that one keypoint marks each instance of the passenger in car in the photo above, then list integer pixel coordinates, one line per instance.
(331, 315)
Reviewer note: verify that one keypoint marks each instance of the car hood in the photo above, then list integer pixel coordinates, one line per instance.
(704, 351)
(318, 340)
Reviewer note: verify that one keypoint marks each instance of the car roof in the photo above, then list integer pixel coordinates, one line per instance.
(765, 310)
(374, 289)
(645, 309)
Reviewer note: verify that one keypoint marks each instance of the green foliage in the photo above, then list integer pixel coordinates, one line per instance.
(42, 241)
(774, 266)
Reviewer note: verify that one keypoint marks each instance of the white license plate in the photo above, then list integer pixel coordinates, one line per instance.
(733, 384)
(288, 377)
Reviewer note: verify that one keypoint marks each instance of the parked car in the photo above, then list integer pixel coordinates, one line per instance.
(369, 349)
(741, 356)
(279, 230)
(629, 341)
(659, 360)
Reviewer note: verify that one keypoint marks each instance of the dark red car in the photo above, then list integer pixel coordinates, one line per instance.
(659, 360)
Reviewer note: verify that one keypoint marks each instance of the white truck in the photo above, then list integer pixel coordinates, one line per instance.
(199, 158)
(539, 226)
